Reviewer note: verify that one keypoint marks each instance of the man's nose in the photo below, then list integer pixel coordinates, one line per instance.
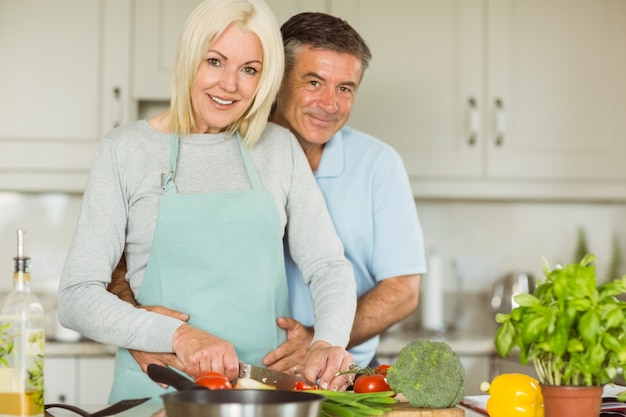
(329, 100)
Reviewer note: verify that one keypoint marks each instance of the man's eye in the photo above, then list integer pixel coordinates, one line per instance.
(345, 91)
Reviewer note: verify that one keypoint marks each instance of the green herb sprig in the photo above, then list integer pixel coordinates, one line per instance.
(6, 343)
(358, 370)
(351, 404)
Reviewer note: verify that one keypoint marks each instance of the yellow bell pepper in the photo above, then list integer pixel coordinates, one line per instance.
(515, 395)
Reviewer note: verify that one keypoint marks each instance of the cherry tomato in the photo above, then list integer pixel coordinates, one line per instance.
(213, 380)
(303, 386)
(382, 369)
(371, 383)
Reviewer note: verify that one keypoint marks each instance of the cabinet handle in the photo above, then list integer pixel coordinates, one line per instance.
(117, 107)
(473, 121)
(500, 122)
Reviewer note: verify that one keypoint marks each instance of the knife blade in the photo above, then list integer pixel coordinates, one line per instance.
(279, 380)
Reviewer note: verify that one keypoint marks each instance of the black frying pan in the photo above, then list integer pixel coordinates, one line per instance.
(193, 400)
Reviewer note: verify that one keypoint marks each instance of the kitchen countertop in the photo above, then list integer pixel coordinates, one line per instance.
(464, 343)
(471, 331)
(83, 347)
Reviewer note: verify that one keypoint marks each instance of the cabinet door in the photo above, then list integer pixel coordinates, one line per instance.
(424, 83)
(63, 81)
(557, 70)
(157, 28)
(96, 378)
(284, 9)
(477, 370)
(60, 380)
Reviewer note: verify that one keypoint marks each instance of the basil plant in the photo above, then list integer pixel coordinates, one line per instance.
(571, 329)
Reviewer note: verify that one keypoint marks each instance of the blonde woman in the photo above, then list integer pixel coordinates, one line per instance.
(198, 200)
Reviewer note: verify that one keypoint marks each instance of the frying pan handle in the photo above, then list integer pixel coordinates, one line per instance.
(165, 375)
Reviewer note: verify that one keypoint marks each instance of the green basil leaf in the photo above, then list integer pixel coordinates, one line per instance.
(526, 300)
(589, 325)
(505, 339)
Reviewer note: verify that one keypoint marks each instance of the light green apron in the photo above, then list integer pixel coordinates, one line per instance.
(218, 257)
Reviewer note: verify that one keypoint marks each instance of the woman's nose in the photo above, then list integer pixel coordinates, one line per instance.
(229, 81)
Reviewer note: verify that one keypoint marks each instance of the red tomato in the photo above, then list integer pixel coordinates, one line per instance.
(371, 383)
(303, 386)
(382, 369)
(213, 380)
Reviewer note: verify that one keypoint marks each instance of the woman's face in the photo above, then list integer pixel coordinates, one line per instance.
(226, 80)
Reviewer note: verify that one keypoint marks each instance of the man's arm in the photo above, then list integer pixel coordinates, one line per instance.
(390, 301)
(119, 286)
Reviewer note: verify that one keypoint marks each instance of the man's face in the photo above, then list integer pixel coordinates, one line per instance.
(316, 97)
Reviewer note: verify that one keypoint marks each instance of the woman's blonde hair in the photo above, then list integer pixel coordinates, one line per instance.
(207, 22)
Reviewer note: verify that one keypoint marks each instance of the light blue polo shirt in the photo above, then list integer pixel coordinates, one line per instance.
(369, 198)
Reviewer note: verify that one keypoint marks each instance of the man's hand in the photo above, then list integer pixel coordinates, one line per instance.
(167, 312)
(323, 364)
(290, 356)
(164, 359)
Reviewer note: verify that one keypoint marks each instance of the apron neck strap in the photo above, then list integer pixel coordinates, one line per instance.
(167, 178)
(253, 175)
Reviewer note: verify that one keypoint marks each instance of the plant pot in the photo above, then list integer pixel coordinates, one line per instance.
(569, 401)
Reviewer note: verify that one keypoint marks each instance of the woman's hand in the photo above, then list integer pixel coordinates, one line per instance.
(323, 364)
(201, 351)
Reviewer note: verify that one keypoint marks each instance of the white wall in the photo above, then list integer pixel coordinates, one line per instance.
(489, 239)
(49, 221)
(484, 239)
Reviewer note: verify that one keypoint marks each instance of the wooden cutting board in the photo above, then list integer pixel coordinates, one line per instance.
(403, 409)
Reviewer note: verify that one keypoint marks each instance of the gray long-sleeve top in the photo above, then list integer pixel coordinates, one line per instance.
(119, 212)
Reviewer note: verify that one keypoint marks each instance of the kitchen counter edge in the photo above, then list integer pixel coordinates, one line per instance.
(56, 349)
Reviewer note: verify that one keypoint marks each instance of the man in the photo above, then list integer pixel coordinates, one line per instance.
(363, 181)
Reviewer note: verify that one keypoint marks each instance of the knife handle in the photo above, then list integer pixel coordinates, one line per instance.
(165, 375)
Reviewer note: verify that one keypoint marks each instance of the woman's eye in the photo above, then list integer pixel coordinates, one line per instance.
(250, 70)
(214, 62)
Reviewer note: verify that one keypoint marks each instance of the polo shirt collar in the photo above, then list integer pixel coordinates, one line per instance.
(332, 162)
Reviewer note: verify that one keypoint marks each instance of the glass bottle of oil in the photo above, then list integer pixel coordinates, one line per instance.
(21, 344)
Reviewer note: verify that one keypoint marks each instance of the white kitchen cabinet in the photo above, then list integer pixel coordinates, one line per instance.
(503, 98)
(59, 376)
(64, 83)
(78, 379)
(156, 31)
(477, 370)
(511, 364)
(96, 378)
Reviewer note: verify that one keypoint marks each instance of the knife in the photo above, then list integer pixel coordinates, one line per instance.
(279, 380)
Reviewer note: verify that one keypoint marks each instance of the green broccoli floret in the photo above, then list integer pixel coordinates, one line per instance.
(429, 374)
